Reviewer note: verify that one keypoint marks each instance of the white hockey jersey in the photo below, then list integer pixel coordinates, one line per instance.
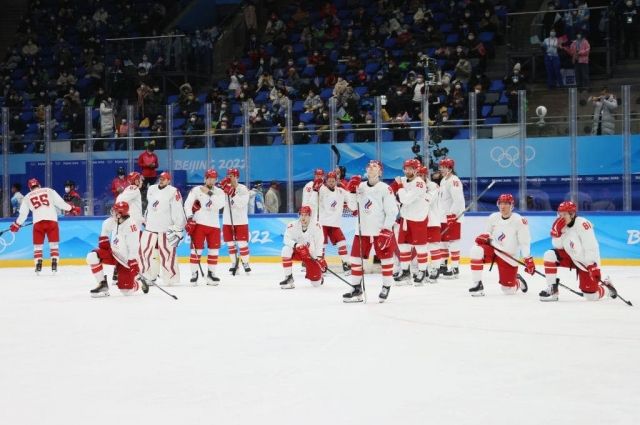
(511, 235)
(414, 204)
(433, 198)
(125, 240)
(451, 197)
(42, 203)
(164, 209)
(131, 195)
(312, 237)
(239, 206)
(579, 241)
(210, 205)
(310, 199)
(378, 208)
(332, 205)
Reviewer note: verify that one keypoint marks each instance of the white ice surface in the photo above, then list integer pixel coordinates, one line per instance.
(247, 352)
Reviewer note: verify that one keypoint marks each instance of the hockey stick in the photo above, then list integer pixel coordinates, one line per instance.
(470, 205)
(335, 150)
(197, 255)
(506, 254)
(156, 285)
(364, 291)
(24, 225)
(606, 285)
(235, 242)
(335, 274)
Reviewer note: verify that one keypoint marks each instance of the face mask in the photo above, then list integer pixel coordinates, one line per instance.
(399, 93)
(466, 15)
(578, 36)
(67, 189)
(477, 91)
(471, 38)
(444, 119)
(193, 120)
(552, 34)
(629, 3)
(379, 77)
(487, 14)
(459, 50)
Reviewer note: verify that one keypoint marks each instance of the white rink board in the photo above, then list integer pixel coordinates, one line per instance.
(247, 352)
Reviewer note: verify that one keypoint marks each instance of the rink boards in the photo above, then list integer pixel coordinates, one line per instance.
(618, 234)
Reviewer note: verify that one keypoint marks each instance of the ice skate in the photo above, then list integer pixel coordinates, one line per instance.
(355, 296)
(613, 292)
(551, 293)
(234, 268)
(403, 278)
(419, 278)
(38, 267)
(453, 273)
(102, 290)
(194, 278)
(443, 267)
(477, 290)
(143, 284)
(434, 273)
(54, 265)
(346, 269)
(287, 283)
(114, 277)
(212, 279)
(522, 284)
(246, 267)
(384, 294)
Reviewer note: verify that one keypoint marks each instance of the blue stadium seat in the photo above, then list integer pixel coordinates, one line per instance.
(486, 37)
(306, 117)
(298, 106)
(178, 122)
(486, 111)
(496, 85)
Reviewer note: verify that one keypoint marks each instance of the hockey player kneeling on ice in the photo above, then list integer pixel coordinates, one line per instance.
(508, 232)
(303, 241)
(377, 213)
(119, 249)
(164, 224)
(574, 246)
(202, 207)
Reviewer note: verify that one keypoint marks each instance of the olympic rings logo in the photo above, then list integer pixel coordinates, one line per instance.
(5, 243)
(510, 156)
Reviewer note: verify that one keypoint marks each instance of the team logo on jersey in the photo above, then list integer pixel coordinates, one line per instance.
(501, 237)
(334, 203)
(208, 204)
(368, 204)
(115, 240)
(571, 244)
(155, 204)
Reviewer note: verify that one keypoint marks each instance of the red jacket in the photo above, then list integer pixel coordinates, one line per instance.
(118, 183)
(148, 162)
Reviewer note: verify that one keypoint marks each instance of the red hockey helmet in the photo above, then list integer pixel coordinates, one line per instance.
(447, 163)
(211, 174)
(121, 208)
(33, 183)
(165, 175)
(332, 175)
(506, 198)
(318, 172)
(134, 177)
(568, 207)
(411, 163)
(233, 172)
(305, 209)
(423, 171)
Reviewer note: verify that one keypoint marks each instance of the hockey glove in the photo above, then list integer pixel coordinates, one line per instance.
(75, 210)
(190, 226)
(483, 239)
(451, 219)
(103, 243)
(174, 237)
(317, 183)
(594, 272)
(14, 227)
(302, 251)
(354, 183)
(134, 269)
(529, 266)
(395, 186)
(384, 239)
(225, 181)
(196, 207)
(229, 190)
(557, 226)
(323, 264)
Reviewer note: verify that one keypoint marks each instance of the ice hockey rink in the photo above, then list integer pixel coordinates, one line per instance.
(247, 352)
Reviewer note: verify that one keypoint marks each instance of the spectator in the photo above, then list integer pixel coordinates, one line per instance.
(579, 52)
(256, 199)
(30, 49)
(107, 118)
(226, 136)
(72, 198)
(17, 128)
(119, 182)
(65, 80)
(272, 199)
(123, 128)
(630, 28)
(604, 108)
(148, 163)
(16, 198)
(366, 131)
(301, 136)
(250, 19)
(143, 92)
(463, 70)
(552, 60)
(193, 132)
(513, 83)
(313, 102)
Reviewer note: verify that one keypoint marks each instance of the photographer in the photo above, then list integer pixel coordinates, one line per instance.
(604, 107)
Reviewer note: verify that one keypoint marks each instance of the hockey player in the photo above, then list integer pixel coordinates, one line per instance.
(235, 220)
(411, 192)
(42, 202)
(574, 246)
(310, 193)
(303, 241)
(118, 247)
(202, 208)
(433, 224)
(451, 204)
(509, 232)
(332, 199)
(377, 210)
(132, 196)
(164, 223)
